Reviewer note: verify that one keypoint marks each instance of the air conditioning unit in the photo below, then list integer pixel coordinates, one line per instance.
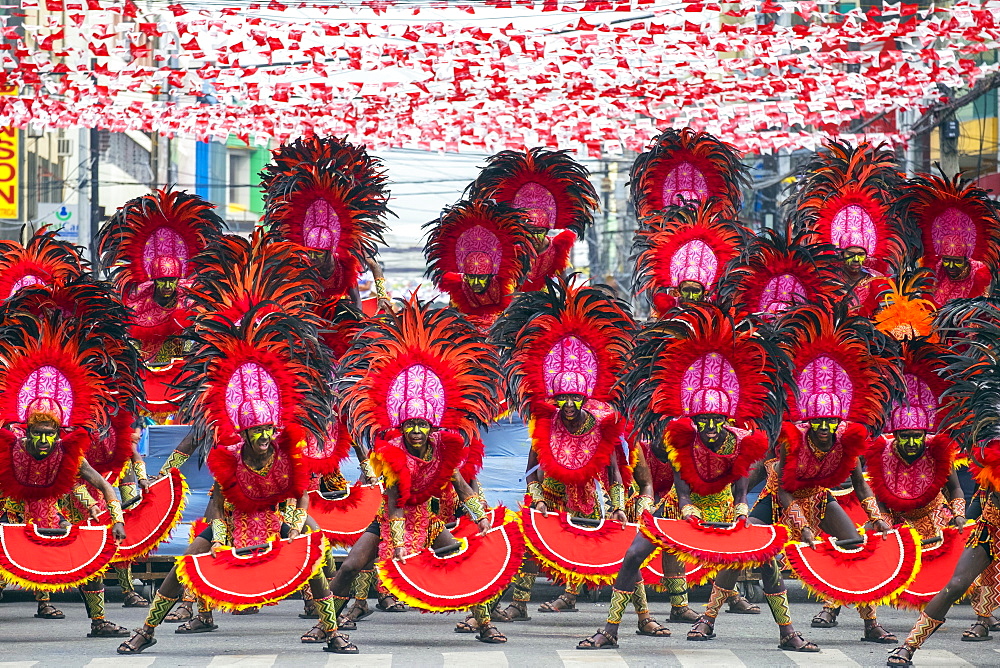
(64, 148)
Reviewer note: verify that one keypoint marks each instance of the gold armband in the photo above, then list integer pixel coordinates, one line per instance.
(795, 516)
(139, 467)
(220, 533)
(690, 510)
(174, 461)
(476, 506)
(958, 507)
(742, 509)
(397, 532)
(535, 491)
(368, 471)
(871, 509)
(115, 510)
(617, 496)
(82, 495)
(295, 518)
(644, 503)
(380, 292)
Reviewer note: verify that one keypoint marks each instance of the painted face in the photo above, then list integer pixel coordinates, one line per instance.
(955, 267)
(854, 258)
(569, 405)
(538, 235)
(165, 288)
(41, 439)
(416, 431)
(478, 283)
(822, 430)
(260, 438)
(910, 442)
(691, 291)
(710, 427)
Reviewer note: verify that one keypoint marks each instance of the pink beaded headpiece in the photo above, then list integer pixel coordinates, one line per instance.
(570, 367)
(825, 390)
(47, 391)
(478, 251)
(710, 385)
(252, 397)
(321, 226)
(165, 254)
(953, 233)
(694, 261)
(416, 393)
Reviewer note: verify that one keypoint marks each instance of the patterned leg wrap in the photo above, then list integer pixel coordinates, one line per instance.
(619, 599)
(43, 596)
(921, 631)
(639, 601)
(523, 584)
(158, 609)
(188, 597)
(94, 601)
(779, 608)
(124, 575)
(677, 589)
(203, 607)
(716, 599)
(339, 602)
(573, 589)
(362, 584)
(986, 599)
(327, 609)
(481, 613)
(867, 611)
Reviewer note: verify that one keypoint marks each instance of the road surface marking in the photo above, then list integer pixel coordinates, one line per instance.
(477, 659)
(121, 662)
(243, 661)
(826, 657)
(359, 661)
(703, 658)
(572, 658)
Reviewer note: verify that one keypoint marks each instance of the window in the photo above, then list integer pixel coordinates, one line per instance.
(238, 181)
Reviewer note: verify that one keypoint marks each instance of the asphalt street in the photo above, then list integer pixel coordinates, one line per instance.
(428, 641)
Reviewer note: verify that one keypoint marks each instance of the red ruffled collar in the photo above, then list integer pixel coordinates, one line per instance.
(16, 465)
(903, 486)
(416, 480)
(109, 455)
(707, 472)
(249, 491)
(575, 459)
(803, 469)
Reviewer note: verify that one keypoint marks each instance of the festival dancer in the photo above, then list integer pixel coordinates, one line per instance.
(705, 391)
(419, 384)
(685, 167)
(960, 228)
(681, 252)
(53, 392)
(479, 252)
(42, 260)
(556, 193)
(254, 390)
(846, 195)
(973, 421)
(845, 379)
(563, 349)
(329, 196)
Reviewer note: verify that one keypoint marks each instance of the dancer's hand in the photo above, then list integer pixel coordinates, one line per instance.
(619, 516)
(118, 531)
(94, 511)
(144, 484)
(959, 523)
(215, 546)
(807, 537)
(484, 525)
(541, 507)
(293, 533)
(398, 554)
(882, 527)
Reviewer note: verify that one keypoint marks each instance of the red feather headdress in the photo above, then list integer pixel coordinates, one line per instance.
(581, 330)
(552, 187)
(420, 362)
(330, 196)
(685, 244)
(49, 373)
(921, 407)
(780, 269)
(847, 196)
(700, 361)
(482, 237)
(841, 367)
(684, 166)
(954, 219)
(44, 261)
(155, 236)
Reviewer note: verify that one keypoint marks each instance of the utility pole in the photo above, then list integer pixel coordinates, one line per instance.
(949, 131)
(95, 198)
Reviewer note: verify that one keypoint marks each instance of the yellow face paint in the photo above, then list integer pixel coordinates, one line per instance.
(261, 437)
(571, 403)
(691, 291)
(824, 425)
(854, 257)
(911, 441)
(954, 266)
(416, 431)
(478, 283)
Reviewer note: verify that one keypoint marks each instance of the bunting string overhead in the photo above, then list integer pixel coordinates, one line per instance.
(593, 76)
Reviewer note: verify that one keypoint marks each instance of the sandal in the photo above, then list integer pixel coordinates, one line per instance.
(825, 618)
(683, 613)
(340, 644)
(553, 605)
(491, 635)
(395, 606)
(49, 611)
(315, 635)
(994, 623)
(102, 628)
(309, 610)
(147, 641)
(253, 610)
(519, 614)
(467, 625)
(895, 659)
(884, 638)
(356, 612)
(806, 646)
(740, 606)
(695, 634)
(197, 624)
(971, 635)
(612, 641)
(346, 624)
(134, 600)
(658, 630)
(182, 613)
